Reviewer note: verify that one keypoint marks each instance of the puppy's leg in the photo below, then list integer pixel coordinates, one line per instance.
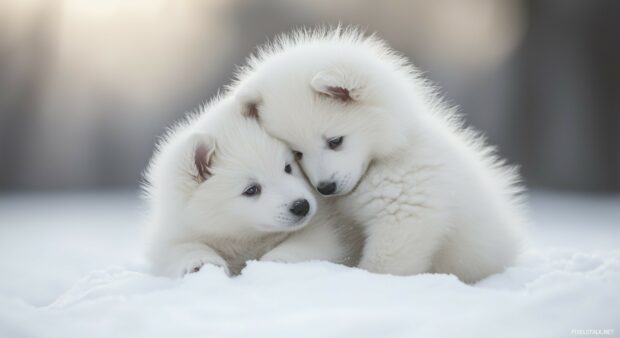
(177, 260)
(401, 247)
(316, 242)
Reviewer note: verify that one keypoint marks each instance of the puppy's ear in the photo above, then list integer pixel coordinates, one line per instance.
(202, 149)
(338, 84)
(249, 100)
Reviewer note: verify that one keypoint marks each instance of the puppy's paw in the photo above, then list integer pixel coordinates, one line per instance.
(193, 267)
(195, 263)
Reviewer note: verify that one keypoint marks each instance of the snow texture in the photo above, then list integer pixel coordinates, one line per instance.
(71, 267)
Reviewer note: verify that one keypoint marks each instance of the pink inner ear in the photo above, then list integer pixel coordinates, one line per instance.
(252, 111)
(339, 93)
(201, 161)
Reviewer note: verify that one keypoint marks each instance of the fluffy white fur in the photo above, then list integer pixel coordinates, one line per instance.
(430, 195)
(199, 215)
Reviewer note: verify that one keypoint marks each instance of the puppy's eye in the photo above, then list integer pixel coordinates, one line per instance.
(298, 155)
(288, 169)
(252, 190)
(335, 142)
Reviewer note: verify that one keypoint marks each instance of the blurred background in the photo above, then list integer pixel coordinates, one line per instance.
(87, 86)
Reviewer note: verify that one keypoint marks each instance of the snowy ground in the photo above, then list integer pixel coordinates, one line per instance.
(71, 267)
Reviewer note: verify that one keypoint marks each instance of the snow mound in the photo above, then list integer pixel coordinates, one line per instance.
(549, 293)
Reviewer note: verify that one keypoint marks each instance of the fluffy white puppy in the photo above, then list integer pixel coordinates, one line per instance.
(368, 131)
(221, 191)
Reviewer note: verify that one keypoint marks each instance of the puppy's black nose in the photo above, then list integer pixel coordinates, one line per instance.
(326, 188)
(300, 208)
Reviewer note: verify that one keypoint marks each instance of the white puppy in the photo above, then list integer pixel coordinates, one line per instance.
(221, 191)
(431, 196)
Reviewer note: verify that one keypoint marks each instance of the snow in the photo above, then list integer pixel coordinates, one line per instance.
(71, 267)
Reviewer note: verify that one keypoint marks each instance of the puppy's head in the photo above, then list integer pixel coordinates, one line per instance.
(238, 177)
(329, 115)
